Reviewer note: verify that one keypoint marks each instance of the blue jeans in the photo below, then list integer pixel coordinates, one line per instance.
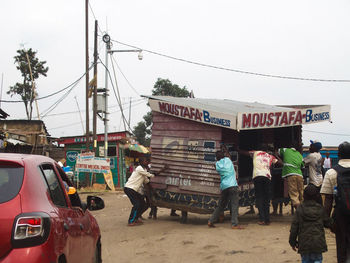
(311, 258)
(228, 195)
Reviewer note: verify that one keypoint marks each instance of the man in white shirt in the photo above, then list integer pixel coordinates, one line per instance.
(315, 161)
(342, 222)
(132, 190)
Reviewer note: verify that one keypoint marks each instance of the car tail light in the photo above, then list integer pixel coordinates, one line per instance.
(30, 229)
(27, 227)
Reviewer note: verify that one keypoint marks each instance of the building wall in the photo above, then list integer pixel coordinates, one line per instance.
(189, 150)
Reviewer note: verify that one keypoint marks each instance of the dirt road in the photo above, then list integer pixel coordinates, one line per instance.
(166, 240)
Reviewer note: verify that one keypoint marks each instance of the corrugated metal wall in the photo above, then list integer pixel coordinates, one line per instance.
(189, 150)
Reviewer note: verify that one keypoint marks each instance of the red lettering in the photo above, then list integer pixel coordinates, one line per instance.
(284, 119)
(262, 119)
(191, 113)
(177, 110)
(246, 120)
(269, 119)
(291, 116)
(255, 120)
(278, 115)
(186, 112)
(298, 118)
(182, 111)
(198, 115)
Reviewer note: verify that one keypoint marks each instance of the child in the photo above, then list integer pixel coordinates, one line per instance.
(307, 234)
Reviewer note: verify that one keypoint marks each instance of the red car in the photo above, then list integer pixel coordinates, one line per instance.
(39, 221)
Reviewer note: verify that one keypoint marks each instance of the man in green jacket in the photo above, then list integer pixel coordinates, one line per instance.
(307, 234)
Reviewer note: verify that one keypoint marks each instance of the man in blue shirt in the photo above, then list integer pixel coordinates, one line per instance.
(229, 190)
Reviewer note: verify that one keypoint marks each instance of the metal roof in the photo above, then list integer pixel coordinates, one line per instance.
(239, 115)
(231, 107)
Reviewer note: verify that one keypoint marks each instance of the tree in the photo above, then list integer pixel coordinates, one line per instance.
(30, 72)
(163, 87)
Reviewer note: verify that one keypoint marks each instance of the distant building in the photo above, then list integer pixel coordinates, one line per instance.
(24, 136)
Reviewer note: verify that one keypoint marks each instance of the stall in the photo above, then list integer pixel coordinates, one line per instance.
(187, 132)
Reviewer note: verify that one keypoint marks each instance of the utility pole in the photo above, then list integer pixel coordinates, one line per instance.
(130, 112)
(2, 82)
(95, 89)
(106, 38)
(87, 72)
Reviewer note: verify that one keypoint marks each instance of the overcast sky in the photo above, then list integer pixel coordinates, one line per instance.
(307, 39)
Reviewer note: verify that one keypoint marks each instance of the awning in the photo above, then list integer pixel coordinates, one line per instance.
(238, 115)
(137, 148)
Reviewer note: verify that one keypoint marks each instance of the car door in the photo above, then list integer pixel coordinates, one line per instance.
(68, 231)
(83, 221)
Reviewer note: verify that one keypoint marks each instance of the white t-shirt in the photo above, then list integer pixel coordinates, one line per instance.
(261, 163)
(327, 163)
(330, 179)
(314, 161)
(137, 178)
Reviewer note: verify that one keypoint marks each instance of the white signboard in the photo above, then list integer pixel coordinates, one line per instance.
(87, 162)
(290, 117)
(194, 114)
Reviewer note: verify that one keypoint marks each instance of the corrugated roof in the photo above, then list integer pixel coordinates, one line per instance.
(231, 107)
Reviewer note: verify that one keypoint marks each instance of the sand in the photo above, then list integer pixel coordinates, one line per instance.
(166, 240)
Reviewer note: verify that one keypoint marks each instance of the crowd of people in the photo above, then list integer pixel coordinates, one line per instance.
(307, 235)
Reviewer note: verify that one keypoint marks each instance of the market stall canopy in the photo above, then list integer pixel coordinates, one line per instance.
(137, 148)
(238, 115)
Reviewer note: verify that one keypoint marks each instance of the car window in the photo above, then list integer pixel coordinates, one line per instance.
(11, 179)
(55, 188)
(74, 198)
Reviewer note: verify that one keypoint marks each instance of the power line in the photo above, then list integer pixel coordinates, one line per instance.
(52, 94)
(72, 112)
(93, 14)
(109, 75)
(76, 123)
(131, 86)
(328, 133)
(230, 69)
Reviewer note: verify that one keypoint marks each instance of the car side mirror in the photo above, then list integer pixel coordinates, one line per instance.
(95, 203)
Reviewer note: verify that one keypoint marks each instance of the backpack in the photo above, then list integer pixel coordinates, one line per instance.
(342, 197)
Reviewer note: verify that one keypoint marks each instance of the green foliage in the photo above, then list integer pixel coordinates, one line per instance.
(162, 87)
(25, 89)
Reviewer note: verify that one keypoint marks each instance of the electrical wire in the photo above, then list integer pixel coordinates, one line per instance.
(131, 86)
(93, 14)
(328, 133)
(73, 112)
(76, 123)
(230, 69)
(52, 94)
(55, 104)
(109, 75)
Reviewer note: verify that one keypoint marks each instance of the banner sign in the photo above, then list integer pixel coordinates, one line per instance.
(87, 162)
(276, 119)
(194, 114)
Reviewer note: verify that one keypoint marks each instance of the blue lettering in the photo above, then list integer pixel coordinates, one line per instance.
(308, 115)
(206, 116)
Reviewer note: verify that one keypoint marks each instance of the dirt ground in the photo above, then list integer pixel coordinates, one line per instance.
(166, 240)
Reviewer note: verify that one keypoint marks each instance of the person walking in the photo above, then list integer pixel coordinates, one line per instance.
(307, 235)
(229, 190)
(336, 185)
(327, 164)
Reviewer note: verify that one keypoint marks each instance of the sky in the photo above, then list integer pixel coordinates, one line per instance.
(305, 39)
